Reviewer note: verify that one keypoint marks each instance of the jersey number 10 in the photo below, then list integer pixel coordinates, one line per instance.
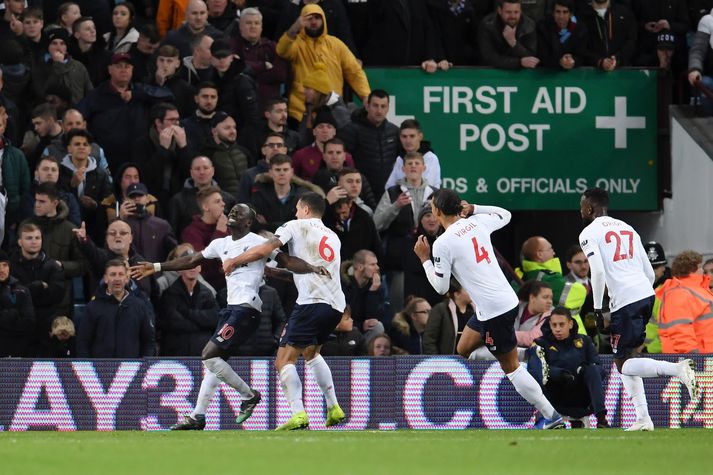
(618, 255)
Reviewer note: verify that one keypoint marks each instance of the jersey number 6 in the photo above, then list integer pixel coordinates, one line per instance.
(618, 255)
(325, 250)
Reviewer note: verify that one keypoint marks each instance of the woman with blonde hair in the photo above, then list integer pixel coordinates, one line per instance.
(408, 325)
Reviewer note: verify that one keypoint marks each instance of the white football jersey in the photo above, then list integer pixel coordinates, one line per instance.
(627, 270)
(465, 251)
(244, 282)
(316, 244)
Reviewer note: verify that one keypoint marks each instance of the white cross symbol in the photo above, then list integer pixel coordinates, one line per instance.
(620, 122)
(392, 117)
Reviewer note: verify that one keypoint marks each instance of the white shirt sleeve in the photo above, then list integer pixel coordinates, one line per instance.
(596, 267)
(439, 271)
(497, 217)
(212, 251)
(285, 233)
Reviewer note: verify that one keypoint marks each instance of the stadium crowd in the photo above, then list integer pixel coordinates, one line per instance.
(128, 130)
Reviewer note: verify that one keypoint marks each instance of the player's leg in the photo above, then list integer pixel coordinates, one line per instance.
(285, 363)
(196, 419)
(471, 338)
(592, 378)
(323, 375)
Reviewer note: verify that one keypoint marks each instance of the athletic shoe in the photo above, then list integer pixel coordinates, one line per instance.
(335, 416)
(576, 424)
(687, 375)
(603, 424)
(555, 423)
(643, 425)
(247, 406)
(190, 423)
(540, 353)
(297, 422)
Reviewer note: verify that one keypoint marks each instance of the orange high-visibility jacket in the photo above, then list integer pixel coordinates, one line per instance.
(686, 316)
(170, 15)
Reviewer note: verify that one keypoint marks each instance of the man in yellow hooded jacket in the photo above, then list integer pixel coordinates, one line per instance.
(307, 43)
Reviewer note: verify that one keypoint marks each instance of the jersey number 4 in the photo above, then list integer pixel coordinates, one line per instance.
(613, 236)
(325, 250)
(481, 254)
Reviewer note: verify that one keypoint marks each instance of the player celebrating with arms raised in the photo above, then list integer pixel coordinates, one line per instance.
(465, 251)
(618, 260)
(320, 304)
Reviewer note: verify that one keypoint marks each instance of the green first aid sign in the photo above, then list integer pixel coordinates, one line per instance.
(535, 140)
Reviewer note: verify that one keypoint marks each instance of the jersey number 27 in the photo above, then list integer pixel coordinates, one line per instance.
(613, 236)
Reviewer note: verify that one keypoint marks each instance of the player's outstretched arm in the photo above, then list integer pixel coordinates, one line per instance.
(146, 269)
(251, 255)
(298, 266)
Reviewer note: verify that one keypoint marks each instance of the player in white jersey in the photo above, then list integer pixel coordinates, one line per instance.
(464, 250)
(239, 320)
(320, 304)
(617, 260)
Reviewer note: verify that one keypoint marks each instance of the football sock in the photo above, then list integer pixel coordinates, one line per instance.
(634, 386)
(208, 386)
(528, 388)
(225, 373)
(292, 387)
(649, 368)
(323, 375)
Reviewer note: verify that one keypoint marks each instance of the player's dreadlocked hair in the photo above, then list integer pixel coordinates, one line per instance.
(597, 197)
(233, 215)
(447, 201)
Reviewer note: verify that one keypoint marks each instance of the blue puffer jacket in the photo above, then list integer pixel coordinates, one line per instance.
(566, 356)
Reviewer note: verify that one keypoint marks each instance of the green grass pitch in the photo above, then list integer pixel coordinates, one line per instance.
(601, 452)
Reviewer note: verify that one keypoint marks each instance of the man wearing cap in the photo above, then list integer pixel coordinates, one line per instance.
(306, 43)
(612, 35)
(196, 23)
(17, 316)
(662, 274)
(57, 67)
(197, 67)
(662, 33)
(229, 159)
(117, 110)
(153, 237)
(238, 93)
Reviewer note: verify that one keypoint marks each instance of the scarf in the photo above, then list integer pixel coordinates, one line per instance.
(456, 6)
(565, 33)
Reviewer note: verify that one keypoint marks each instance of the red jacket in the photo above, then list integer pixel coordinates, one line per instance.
(200, 234)
(308, 160)
(686, 315)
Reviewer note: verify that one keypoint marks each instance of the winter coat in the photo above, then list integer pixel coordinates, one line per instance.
(699, 56)
(17, 319)
(327, 179)
(568, 355)
(70, 73)
(184, 205)
(32, 273)
(364, 302)
(182, 36)
(457, 32)
(199, 234)
(153, 237)
(439, 337)
(113, 329)
(304, 52)
(124, 44)
(549, 47)
(182, 92)
(237, 97)
(15, 180)
(95, 60)
(230, 162)
(496, 52)
(269, 81)
(307, 161)
(336, 18)
(198, 132)
(170, 15)
(614, 35)
(186, 321)
(96, 185)
(374, 148)
(686, 315)
(265, 201)
(27, 205)
(359, 233)
(162, 169)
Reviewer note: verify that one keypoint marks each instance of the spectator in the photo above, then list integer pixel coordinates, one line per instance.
(123, 34)
(396, 216)
(507, 38)
(229, 159)
(17, 317)
(415, 280)
(402, 34)
(57, 67)
(612, 35)
(535, 305)
(276, 193)
(73, 119)
(380, 345)
(308, 160)
(320, 98)
(163, 154)
(657, 258)
(238, 93)
(364, 293)
(265, 340)
(44, 279)
(446, 322)
(47, 171)
(708, 270)
(58, 96)
(408, 325)
(306, 43)
(334, 12)
(662, 33)
(58, 242)
(188, 315)
(411, 138)
(198, 128)
(561, 38)
(198, 66)
(80, 175)
(116, 324)
(116, 110)
(274, 144)
(10, 26)
(62, 343)
(211, 224)
(196, 24)
(67, 15)
(259, 54)
(167, 64)
(275, 120)
(153, 237)
(117, 205)
(686, 305)
(700, 68)
(15, 173)
(221, 13)
(32, 38)
(45, 129)
(578, 266)
(170, 15)
(334, 159)
(566, 364)
(184, 205)
(345, 340)
(88, 50)
(456, 24)
(143, 52)
(168, 277)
